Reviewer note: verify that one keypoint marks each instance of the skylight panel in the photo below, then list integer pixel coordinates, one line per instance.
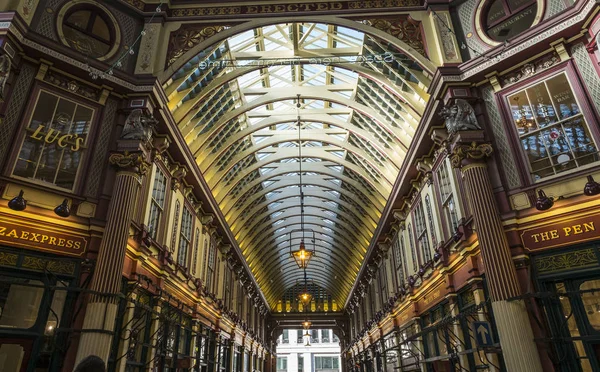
(276, 214)
(326, 229)
(261, 155)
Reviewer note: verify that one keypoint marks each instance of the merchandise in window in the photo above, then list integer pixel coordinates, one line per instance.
(55, 140)
(551, 127)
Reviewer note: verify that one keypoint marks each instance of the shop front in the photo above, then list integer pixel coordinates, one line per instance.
(565, 263)
(38, 293)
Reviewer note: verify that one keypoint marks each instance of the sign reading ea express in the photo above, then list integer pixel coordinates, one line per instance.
(36, 238)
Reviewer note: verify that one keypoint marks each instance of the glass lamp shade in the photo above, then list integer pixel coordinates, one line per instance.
(306, 324)
(302, 256)
(305, 298)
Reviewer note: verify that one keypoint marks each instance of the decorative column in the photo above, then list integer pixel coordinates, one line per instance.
(514, 329)
(131, 164)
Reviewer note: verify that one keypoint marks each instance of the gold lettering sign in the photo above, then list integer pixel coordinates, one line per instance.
(562, 233)
(73, 141)
(35, 238)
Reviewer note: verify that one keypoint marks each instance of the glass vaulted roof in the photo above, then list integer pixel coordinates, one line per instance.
(358, 100)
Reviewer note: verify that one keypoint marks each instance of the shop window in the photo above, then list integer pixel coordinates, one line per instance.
(89, 29)
(138, 335)
(421, 231)
(409, 348)
(504, 19)
(436, 334)
(54, 142)
(185, 237)
(157, 202)
(551, 127)
(449, 212)
(591, 301)
(300, 363)
(20, 302)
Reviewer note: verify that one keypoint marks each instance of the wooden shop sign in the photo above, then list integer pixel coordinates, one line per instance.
(39, 239)
(562, 233)
(432, 297)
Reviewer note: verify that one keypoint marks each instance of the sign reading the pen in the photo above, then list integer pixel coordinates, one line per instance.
(562, 233)
(40, 239)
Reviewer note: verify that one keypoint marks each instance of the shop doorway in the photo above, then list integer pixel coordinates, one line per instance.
(573, 310)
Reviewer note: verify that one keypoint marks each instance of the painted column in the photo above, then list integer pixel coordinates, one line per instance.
(101, 313)
(514, 329)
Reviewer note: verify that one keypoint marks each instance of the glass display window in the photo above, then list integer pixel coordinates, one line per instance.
(552, 129)
(55, 141)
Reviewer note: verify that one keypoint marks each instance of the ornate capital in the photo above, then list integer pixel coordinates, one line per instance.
(133, 162)
(474, 151)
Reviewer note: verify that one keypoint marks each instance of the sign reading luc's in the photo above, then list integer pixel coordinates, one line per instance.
(51, 135)
(35, 238)
(561, 233)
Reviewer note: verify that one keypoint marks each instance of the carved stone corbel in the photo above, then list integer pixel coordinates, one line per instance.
(207, 219)
(160, 144)
(178, 174)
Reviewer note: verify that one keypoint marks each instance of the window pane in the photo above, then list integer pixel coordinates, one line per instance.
(20, 303)
(495, 12)
(54, 142)
(100, 29)
(543, 110)
(80, 19)
(591, 301)
(564, 141)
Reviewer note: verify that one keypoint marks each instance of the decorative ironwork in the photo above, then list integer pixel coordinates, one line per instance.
(8, 259)
(187, 37)
(532, 68)
(567, 261)
(72, 86)
(404, 28)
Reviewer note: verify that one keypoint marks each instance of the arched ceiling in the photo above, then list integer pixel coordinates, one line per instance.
(357, 100)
